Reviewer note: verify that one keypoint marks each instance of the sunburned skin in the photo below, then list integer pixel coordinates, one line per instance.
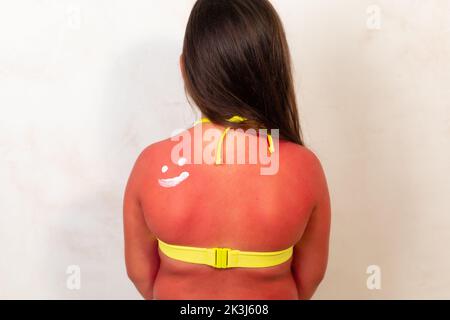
(175, 181)
(226, 206)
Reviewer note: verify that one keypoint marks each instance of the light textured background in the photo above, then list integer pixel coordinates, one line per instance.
(86, 85)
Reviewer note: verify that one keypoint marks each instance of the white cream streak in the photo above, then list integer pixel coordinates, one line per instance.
(182, 162)
(173, 182)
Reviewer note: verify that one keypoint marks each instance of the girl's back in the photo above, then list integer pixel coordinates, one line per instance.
(230, 205)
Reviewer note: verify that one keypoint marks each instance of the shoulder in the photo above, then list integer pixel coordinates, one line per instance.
(304, 163)
(157, 150)
(147, 160)
(150, 159)
(150, 152)
(300, 156)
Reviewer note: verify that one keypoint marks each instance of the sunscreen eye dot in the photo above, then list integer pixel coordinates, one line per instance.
(182, 162)
(164, 169)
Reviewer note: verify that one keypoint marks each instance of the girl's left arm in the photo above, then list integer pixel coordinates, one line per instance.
(141, 246)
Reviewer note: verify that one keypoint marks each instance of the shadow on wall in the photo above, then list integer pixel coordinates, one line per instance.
(144, 103)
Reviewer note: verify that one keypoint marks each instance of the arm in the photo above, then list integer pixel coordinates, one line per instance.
(311, 252)
(141, 247)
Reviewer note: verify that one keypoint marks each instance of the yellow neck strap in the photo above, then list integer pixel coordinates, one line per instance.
(235, 119)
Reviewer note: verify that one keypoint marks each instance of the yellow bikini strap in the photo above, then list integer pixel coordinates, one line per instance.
(235, 119)
(202, 120)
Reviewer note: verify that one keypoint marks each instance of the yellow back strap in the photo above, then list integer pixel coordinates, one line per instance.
(223, 258)
(235, 119)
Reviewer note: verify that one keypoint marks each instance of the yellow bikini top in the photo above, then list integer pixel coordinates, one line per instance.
(223, 258)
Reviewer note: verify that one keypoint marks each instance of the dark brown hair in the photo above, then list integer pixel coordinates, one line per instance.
(236, 61)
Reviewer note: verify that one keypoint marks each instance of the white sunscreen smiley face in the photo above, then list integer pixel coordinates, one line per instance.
(173, 182)
(182, 162)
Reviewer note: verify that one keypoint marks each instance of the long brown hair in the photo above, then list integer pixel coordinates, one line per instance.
(236, 61)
